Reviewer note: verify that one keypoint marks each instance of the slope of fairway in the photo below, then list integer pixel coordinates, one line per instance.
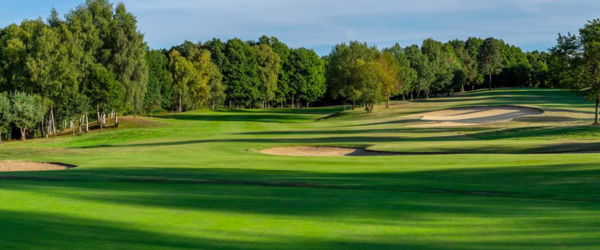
(199, 181)
(470, 116)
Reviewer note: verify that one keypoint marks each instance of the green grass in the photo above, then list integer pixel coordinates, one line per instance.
(198, 181)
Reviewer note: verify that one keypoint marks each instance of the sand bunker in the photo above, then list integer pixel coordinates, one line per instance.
(470, 116)
(18, 166)
(340, 152)
(322, 151)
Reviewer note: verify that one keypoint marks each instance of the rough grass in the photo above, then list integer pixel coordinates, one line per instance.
(198, 181)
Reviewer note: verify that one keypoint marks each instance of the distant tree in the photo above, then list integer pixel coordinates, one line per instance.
(576, 59)
(183, 74)
(216, 89)
(472, 48)
(539, 68)
(369, 76)
(127, 60)
(391, 85)
(26, 111)
(420, 63)
(241, 72)
(268, 72)
(490, 58)
(338, 72)
(159, 89)
(282, 91)
(104, 92)
(406, 74)
(306, 75)
(5, 114)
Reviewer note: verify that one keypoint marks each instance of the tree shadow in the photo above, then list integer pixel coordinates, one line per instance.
(468, 217)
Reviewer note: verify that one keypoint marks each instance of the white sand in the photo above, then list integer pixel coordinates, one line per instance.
(471, 116)
(18, 166)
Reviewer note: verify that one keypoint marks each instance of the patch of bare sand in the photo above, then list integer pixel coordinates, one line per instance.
(322, 151)
(23, 166)
(471, 116)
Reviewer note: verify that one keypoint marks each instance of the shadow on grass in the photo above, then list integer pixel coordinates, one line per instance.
(546, 224)
(584, 132)
(272, 115)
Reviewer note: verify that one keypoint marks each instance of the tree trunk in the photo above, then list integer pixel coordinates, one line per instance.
(213, 105)
(44, 130)
(353, 104)
(23, 134)
(411, 96)
(117, 119)
(72, 127)
(180, 108)
(403, 97)
(87, 124)
(53, 123)
(596, 121)
(307, 104)
(418, 94)
(490, 79)
(462, 88)
(229, 104)
(387, 104)
(98, 114)
(0, 137)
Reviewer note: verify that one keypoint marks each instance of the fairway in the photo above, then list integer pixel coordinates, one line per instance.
(198, 180)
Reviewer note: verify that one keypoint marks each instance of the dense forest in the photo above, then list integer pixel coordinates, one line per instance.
(93, 63)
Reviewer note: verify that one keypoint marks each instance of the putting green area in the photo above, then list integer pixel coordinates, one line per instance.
(199, 180)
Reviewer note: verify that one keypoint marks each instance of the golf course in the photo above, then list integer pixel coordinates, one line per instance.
(526, 179)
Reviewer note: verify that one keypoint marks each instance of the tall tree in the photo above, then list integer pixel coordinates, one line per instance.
(490, 58)
(576, 58)
(127, 60)
(26, 111)
(420, 63)
(5, 114)
(307, 79)
(338, 72)
(241, 72)
(159, 89)
(283, 51)
(216, 89)
(268, 72)
(183, 74)
(391, 85)
(406, 74)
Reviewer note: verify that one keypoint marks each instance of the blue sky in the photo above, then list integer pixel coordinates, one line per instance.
(320, 24)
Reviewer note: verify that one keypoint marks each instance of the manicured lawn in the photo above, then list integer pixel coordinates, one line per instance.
(198, 181)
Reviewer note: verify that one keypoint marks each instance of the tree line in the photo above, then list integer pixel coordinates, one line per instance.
(54, 73)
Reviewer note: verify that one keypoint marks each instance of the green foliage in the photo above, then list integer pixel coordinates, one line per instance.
(183, 75)
(425, 71)
(306, 75)
(269, 64)
(490, 58)
(5, 114)
(406, 74)
(159, 89)
(25, 111)
(338, 74)
(576, 62)
(104, 91)
(241, 74)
